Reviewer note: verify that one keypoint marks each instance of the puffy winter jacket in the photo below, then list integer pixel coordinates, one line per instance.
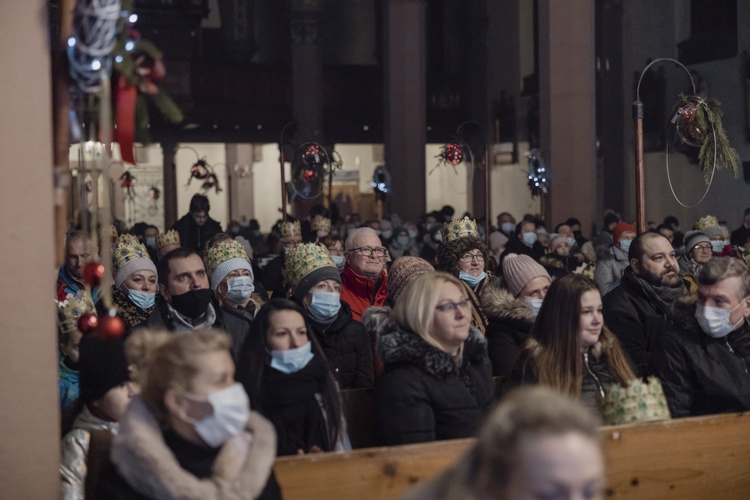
(510, 321)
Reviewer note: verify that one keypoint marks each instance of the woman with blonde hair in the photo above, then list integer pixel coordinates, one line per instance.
(569, 348)
(436, 382)
(190, 434)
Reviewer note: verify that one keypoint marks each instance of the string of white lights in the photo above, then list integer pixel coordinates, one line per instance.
(94, 37)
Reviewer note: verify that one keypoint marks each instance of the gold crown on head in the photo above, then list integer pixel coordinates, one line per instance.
(320, 224)
(68, 312)
(459, 229)
(127, 252)
(290, 228)
(224, 251)
(304, 259)
(705, 222)
(636, 402)
(171, 237)
(128, 239)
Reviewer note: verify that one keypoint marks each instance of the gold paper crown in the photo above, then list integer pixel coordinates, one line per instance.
(637, 402)
(459, 229)
(68, 312)
(304, 259)
(321, 224)
(223, 252)
(127, 252)
(290, 229)
(128, 239)
(705, 222)
(171, 237)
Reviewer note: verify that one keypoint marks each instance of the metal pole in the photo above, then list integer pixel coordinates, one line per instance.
(640, 201)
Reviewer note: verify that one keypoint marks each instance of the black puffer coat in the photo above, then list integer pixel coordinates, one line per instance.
(510, 321)
(702, 375)
(635, 319)
(347, 347)
(423, 395)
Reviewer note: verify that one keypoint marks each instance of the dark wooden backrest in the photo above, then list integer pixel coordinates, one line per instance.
(98, 463)
(359, 411)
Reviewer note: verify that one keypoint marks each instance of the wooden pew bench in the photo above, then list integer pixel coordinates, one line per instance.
(692, 458)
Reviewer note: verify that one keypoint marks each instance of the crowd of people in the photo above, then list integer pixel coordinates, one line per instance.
(238, 346)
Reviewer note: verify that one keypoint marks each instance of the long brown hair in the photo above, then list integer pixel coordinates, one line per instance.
(555, 347)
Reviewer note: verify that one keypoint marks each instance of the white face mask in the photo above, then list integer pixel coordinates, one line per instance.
(338, 260)
(239, 289)
(715, 321)
(535, 304)
(717, 246)
(231, 408)
(529, 238)
(507, 227)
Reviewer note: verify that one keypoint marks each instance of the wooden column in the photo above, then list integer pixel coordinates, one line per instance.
(405, 106)
(170, 184)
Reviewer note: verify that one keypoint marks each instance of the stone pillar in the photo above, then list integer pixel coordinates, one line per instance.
(30, 409)
(567, 101)
(240, 173)
(405, 106)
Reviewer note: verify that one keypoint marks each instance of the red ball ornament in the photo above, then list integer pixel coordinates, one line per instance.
(110, 328)
(93, 273)
(87, 323)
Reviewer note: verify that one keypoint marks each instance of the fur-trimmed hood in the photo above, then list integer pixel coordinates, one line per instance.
(499, 304)
(397, 345)
(682, 314)
(143, 459)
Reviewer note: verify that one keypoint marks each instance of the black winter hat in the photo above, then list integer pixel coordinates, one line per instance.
(102, 366)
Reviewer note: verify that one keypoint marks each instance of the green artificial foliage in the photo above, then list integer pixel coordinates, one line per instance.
(707, 118)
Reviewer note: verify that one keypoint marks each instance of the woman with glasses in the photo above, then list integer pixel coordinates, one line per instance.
(698, 251)
(436, 383)
(463, 254)
(569, 348)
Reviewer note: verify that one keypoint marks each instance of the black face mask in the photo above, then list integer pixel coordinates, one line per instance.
(192, 304)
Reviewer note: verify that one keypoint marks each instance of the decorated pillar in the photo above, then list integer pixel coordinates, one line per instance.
(405, 106)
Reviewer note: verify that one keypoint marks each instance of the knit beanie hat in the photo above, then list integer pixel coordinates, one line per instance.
(692, 238)
(224, 258)
(620, 228)
(713, 231)
(556, 240)
(128, 258)
(519, 269)
(306, 265)
(101, 367)
(401, 273)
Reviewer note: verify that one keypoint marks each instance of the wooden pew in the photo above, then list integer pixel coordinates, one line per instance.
(692, 458)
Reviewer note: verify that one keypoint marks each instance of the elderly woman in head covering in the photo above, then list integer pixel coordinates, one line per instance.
(232, 280)
(464, 255)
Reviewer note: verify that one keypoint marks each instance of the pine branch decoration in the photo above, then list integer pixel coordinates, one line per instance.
(707, 118)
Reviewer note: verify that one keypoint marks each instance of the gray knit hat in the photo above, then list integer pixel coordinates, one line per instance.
(519, 270)
(692, 238)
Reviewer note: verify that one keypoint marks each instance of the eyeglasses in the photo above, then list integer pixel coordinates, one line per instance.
(702, 248)
(370, 252)
(452, 306)
(468, 257)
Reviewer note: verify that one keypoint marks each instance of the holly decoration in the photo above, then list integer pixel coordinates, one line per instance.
(93, 273)
(111, 326)
(87, 323)
(697, 121)
(211, 182)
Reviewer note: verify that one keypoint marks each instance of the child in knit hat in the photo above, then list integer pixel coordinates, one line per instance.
(106, 391)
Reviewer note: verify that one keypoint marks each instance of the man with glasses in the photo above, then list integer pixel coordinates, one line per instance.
(365, 282)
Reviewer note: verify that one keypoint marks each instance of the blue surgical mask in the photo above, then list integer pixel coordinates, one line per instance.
(472, 281)
(239, 289)
(535, 305)
(717, 245)
(625, 245)
(715, 321)
(413, 233)
(143, 300)
(507, 227)
(529, 238)
(403, 241)
(151, 242)
(338, 260)
(324, 305)
(572, 241)
(292, 360)
(386, 234)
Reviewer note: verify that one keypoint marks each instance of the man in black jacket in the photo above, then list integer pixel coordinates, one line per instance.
(704, 362)
(197, 227)
(636, 310)
(187, 301)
